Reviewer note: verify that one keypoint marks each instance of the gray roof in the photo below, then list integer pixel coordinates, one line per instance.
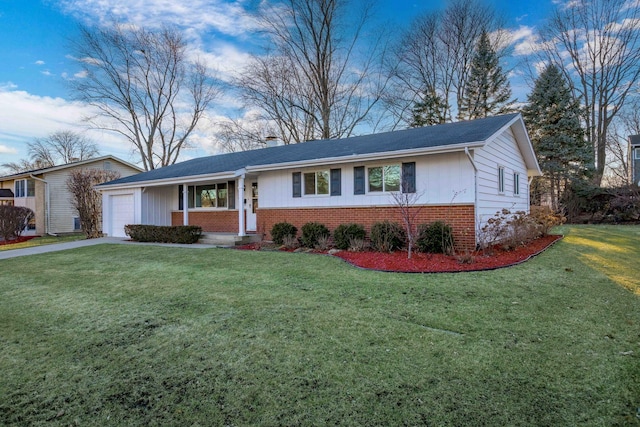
(444, 135)
(5, 192)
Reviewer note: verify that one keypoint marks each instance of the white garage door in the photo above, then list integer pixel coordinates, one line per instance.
(121, 213)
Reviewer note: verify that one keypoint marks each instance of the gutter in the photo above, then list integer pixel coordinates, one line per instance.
(47, 197)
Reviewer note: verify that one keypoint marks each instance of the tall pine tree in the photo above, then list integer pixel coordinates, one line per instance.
(488, 91)
(552, 116)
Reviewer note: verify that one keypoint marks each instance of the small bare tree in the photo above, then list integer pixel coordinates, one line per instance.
(144, 88)
(88, 201)
(406, 203)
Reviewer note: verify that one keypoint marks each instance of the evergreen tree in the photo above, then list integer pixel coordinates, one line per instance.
(552, 116)
(428, 111)
(488, 91)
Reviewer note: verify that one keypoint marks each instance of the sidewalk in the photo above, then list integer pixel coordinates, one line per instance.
(55, 247)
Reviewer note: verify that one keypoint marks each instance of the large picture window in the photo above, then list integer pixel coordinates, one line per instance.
(206, 196)
(316, 183)
(25, 188)
(384, 178)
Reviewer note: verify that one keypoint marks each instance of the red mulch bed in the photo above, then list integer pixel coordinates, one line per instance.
(438, 263)
(18, 240)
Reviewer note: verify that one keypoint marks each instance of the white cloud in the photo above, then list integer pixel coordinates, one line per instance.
(46, 73)
(39, 62)
(26, 116)
(525, 41)
(226, 17)
(7, 150)
(80, 74)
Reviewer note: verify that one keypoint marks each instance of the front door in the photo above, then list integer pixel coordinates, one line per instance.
(252, 206)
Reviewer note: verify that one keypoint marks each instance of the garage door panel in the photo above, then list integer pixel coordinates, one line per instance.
(122, 213)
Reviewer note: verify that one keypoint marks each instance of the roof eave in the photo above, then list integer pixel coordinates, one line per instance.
(168, 181)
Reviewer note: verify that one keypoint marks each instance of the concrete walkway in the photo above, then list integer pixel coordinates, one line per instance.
(55, 247)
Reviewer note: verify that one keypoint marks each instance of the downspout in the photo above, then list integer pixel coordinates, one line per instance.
(47, 200)
(529, 181)
(475, 188)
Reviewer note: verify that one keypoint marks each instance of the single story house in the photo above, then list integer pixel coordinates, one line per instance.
(45, 192)
(461, 172)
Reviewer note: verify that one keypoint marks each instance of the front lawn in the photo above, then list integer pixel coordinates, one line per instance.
(146, 335)
(42, 240)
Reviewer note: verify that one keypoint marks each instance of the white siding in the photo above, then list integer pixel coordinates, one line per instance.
(61, 210)
(157, 204)
(502, 151)
(438, 179)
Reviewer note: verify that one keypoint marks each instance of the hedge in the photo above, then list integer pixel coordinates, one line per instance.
(164, 234)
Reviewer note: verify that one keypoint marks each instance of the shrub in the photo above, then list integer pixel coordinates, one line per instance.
(344, 233)
(436, 238)
(13, 220)
(164, 234)
(387, 236)
(290, 242)
(509, 230)
(281, 230)
(87, 201)
(546, 218)
(311, 232)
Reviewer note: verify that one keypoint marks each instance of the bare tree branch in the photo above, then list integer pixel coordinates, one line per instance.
(144, 88)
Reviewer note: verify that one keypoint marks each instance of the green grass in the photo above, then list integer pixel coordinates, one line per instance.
(143, 335)
(44, 240)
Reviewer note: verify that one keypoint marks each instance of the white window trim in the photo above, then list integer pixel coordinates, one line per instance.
(315, 179)
(208, 208)
(384, 190)
(500, 179)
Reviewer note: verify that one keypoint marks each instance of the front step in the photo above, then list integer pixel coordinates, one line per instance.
(228, 239)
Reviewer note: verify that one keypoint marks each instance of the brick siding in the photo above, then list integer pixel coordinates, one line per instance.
(460, 217)
(211, 221)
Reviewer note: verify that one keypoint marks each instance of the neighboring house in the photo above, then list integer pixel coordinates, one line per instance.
(460, 172)
(45, 192)
(634, 159)
(6, 196)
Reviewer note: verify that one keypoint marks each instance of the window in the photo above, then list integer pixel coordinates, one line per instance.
(205, 196)
(384, 178)
(316, 183)
(25, 188)
(500, 179)
(323, 183)
(636, 152)
(516, 184)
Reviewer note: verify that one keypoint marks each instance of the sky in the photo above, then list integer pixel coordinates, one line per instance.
(36, 64)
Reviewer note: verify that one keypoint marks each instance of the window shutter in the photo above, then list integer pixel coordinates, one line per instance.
(409, 177)
(336, 182)
(231, 194)
(358, 180)
(297, 184)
